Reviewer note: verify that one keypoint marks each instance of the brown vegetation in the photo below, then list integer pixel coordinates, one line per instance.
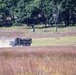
(37, 60)
(48, 60)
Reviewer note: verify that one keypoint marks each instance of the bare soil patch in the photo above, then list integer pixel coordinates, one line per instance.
(18, 33)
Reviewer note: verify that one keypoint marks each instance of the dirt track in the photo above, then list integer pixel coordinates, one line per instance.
(14, 34)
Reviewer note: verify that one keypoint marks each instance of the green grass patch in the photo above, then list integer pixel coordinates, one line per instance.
(39, 29)
(68, 40)
(13, 28)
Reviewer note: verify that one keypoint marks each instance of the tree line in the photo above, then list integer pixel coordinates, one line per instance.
(33, 12)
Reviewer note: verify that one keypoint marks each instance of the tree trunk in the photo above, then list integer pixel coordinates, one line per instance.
(67, 17)
(73, 18)
(33, 27)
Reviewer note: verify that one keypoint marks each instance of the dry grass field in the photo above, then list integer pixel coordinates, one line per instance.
(48, 60)
(58, 58)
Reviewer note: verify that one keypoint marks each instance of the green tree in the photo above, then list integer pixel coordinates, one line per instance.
(22, 10)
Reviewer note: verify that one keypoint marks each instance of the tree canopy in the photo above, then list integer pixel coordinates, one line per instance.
(21, 10)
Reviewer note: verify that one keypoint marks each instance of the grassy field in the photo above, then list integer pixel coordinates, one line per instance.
(40, 29)
(53, 54)
(38, 61)
(68, 40)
